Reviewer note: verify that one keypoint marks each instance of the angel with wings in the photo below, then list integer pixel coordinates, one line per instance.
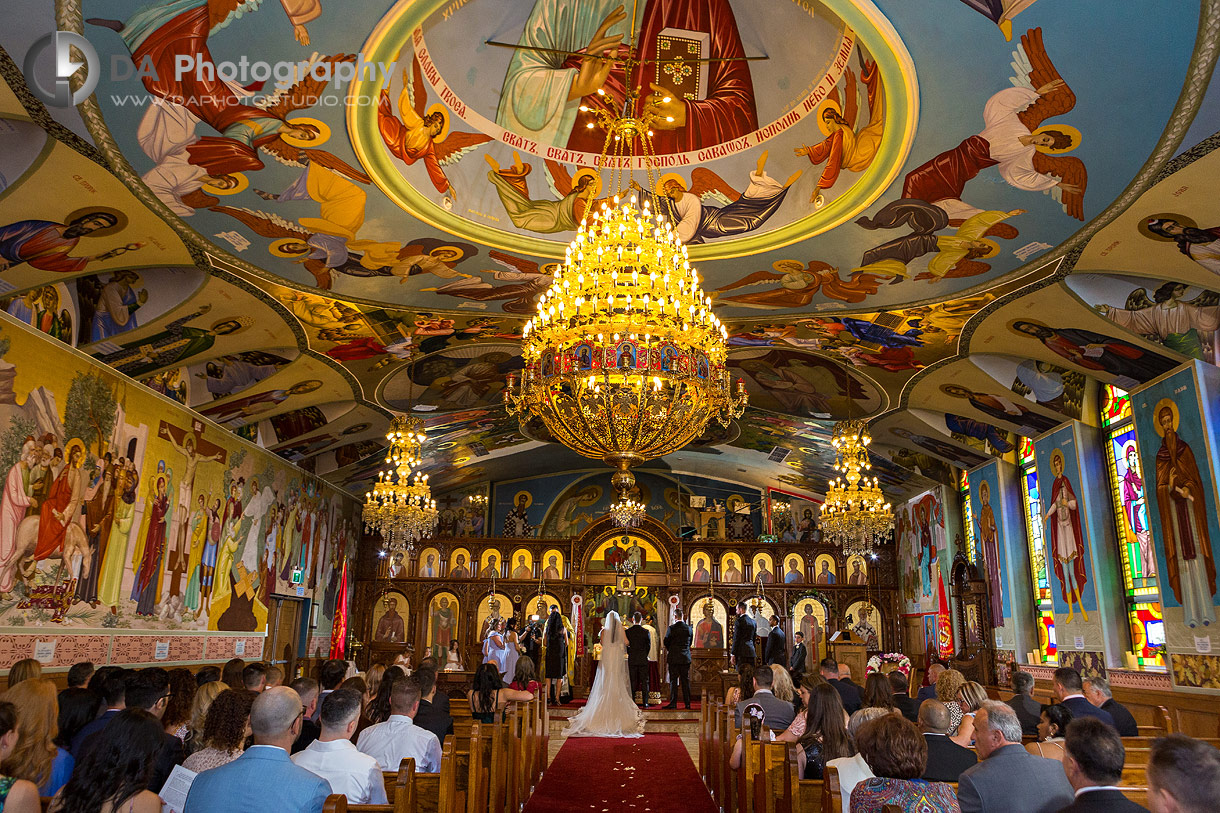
(798, 283)
(954, 255)
(526, 282)
(420, 133)
(1028, 155)
(166, 36)
(1191, 328)
(575, 195)
(843, 147)
(697, 222)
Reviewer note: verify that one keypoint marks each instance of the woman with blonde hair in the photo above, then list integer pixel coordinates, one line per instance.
(948, 685)
(970, 698)
(36, 757)
(23, 670)
(373, 678)
(781, 684)
(16, 795)
(204, 696)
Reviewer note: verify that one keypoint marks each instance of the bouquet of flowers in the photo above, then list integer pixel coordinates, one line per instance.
(895, 661)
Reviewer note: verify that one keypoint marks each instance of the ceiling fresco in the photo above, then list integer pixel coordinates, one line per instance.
(953, 223)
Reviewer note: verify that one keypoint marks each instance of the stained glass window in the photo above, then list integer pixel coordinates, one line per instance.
(1037, 555)
(1135, 545)
(967, 516)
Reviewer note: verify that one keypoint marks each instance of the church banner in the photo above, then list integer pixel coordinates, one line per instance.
(1176, 423)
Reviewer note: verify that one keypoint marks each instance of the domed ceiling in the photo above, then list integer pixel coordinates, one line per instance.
(909, 211)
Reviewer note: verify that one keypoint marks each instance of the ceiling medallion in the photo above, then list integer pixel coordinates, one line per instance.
(625, 360)
(855, 515)
(400, 507)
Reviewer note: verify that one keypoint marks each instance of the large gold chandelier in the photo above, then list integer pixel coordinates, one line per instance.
(400, 506)
(855, 515)
(625, 360)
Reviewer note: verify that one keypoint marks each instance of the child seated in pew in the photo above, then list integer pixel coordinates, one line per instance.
(333, 757)
(525, 678)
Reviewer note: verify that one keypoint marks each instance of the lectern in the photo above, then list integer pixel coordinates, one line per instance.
(853, 654)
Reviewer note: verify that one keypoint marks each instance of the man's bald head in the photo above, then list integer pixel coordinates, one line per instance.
(844, 672)
(934, 672)
(934, 717)
(274, 715)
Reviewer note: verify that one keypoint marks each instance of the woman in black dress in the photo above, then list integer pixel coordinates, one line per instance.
(556, 638)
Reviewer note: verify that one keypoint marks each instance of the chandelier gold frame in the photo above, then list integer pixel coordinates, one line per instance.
(855, 515)
(400, 506)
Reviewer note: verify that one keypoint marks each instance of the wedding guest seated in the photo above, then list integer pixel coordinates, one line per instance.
(525, 676)
(948, 685)
(373, 678)
(16, 795)
(379, 710)
(829, 669)
(332, 673)
(1052, 725)
(1094, 766)
(36, 756)
(489, 695)
(307, 689)
(897, 753)
(970, 698)
(254, 676)
(1068, 689)
(821, 731)
(177, 717)
(946, 759)
(224, 731)
(1008, 777)
(781, 686)
(398, 737)
(79, 674)
(777, 714)
(333, 757)
(23, 670)
(100, 676)
(263, 778)
(744, 689)
(928, 691)
(77, 708)
(357, 685)
(205, 695)
(1097, 691)
(877, 692)
(901, 696)
(1183, 775)
(845, 676)
(113, 774)
(148, 689)
(1028, 710)
(853, 770)
(439, 699)
(431, 716)
(114, 693)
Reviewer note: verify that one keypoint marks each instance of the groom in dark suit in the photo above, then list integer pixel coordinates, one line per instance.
(677, 655)
(639, 642)
(743, 638)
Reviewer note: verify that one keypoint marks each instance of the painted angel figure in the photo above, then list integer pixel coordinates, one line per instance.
(954, 255)
(574, 195)
(526, 281)
(844, 147)
(1000, 12)
(696, 222)
(422, 133)
(1027, 154)
(1191, 328)
(798, 283)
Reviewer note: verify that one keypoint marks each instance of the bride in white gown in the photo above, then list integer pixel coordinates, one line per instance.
(611, 710)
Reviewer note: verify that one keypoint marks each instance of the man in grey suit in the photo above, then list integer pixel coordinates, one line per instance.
(677, 655)
(777, 714)
(1009, 778)
(1029, 711)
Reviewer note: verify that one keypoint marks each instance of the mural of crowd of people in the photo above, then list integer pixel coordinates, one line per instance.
(122, 511)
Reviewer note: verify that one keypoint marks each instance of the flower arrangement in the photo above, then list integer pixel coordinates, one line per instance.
(896, 660)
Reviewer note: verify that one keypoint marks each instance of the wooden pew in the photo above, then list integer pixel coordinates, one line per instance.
(704, 736)
(1146, 742)
(807, 794)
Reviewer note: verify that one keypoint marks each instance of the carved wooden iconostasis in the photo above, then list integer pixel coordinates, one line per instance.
(443, 592)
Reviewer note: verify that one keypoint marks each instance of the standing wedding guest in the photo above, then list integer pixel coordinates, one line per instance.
(114, 774)
(797, 662)
(946, 759)
(205, 695)
(306, 689)
(36, 756)
(1028, 710)
(208, 674)
(22, 670)
(777, 643)
(900, 696)
(398, 737)
(677, 658)
(148, 689)
(897, 753)
(16, 795)
(79, 674)
(1094, 766)
(182, 690)
(1183, 775)
(77, 708)
(254, 677)
(436, 718)
(231, 674)
(114, 693)
(555, 638)
(1068, 689)
(1097, 691)
(512, 648)
(224, 731)
(333, 757)
(1008, 777)
(99, 677)
(275, 677)
(263, 778)
(1052, 726)
(743, 638)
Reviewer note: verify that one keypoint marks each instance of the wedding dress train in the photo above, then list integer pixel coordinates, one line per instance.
(611, 709)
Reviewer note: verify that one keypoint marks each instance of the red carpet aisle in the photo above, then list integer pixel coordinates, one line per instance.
(653, 774)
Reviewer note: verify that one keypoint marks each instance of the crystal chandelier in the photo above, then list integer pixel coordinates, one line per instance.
(400, 506)
(625, 360)
(626, 512)
(855, 515)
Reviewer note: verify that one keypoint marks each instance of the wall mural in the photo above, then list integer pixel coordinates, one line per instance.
(988, 517)
(121, 511)
(924, 561)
